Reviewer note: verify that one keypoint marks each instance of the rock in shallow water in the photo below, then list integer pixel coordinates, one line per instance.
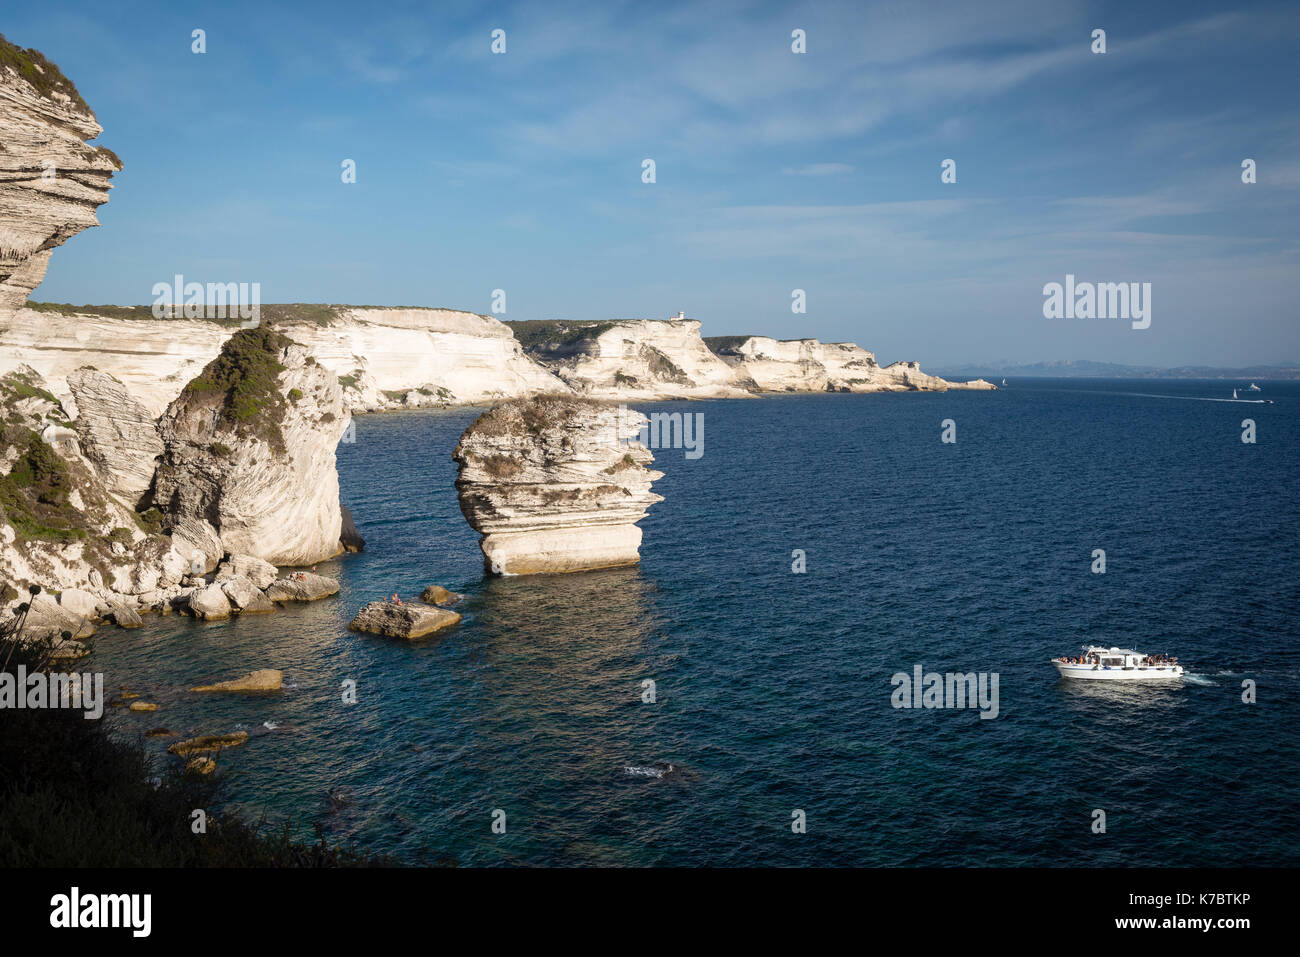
(260, 573)
(246, 597)
(302, 586)
(409, 620)
(124, 617)
(267, 679)
(206, 743)
(437, 595)
(210, 603)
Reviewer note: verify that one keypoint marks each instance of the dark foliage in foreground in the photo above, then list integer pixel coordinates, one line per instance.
(72, 796)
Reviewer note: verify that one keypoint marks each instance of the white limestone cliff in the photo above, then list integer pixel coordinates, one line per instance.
(408, 358)
(808, 365)
(384, 358)
(152, 358)
(632, 359)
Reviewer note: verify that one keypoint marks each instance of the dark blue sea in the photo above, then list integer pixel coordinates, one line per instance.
(774, 688)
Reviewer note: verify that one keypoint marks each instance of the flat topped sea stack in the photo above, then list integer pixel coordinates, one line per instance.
(555, 484)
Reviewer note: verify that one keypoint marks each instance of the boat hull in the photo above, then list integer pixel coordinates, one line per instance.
(1102, 673)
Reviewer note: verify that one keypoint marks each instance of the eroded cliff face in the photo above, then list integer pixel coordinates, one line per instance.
(249, 460)
(632, 359)
(118, 434)
(412, 358)
(153, 358)
(51, 181)
(388, 359)
(555, 484)
(61, 526)
(383, 358)
(808, 365)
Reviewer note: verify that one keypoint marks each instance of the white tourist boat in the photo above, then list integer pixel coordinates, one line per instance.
(1255, 388)
(1118, 664)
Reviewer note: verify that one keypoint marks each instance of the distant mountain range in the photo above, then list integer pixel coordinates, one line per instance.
(1085, 368)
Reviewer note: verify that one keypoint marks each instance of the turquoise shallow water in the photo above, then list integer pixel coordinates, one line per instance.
(773, 687)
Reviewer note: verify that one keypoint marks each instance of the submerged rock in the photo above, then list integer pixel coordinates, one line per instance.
(555, 484)
(437, 595)
(206, 743)
(408, 620)
(267, 679)
(302, 586)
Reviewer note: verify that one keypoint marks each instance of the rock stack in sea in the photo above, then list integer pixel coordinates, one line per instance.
(555, 484)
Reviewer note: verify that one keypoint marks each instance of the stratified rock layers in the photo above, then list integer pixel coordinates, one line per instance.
(554, 484)
(632, 359)
(51, 182)
(808, 365)
(117, 434)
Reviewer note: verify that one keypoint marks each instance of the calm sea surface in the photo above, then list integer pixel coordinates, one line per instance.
(773, 688)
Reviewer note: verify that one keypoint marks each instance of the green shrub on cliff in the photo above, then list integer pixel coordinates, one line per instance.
(244, 379)
(545, 335)
(34, 495)
(32, 66)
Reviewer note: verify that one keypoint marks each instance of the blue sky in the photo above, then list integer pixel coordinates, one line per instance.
(775, 171)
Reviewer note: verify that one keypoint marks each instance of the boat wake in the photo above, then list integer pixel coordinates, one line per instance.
(1194, 679)
(1194, 398)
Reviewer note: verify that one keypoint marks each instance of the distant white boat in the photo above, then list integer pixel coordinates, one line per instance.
(1234, 393)
(1118, 664)
(1255, 388)
(1004, 381)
